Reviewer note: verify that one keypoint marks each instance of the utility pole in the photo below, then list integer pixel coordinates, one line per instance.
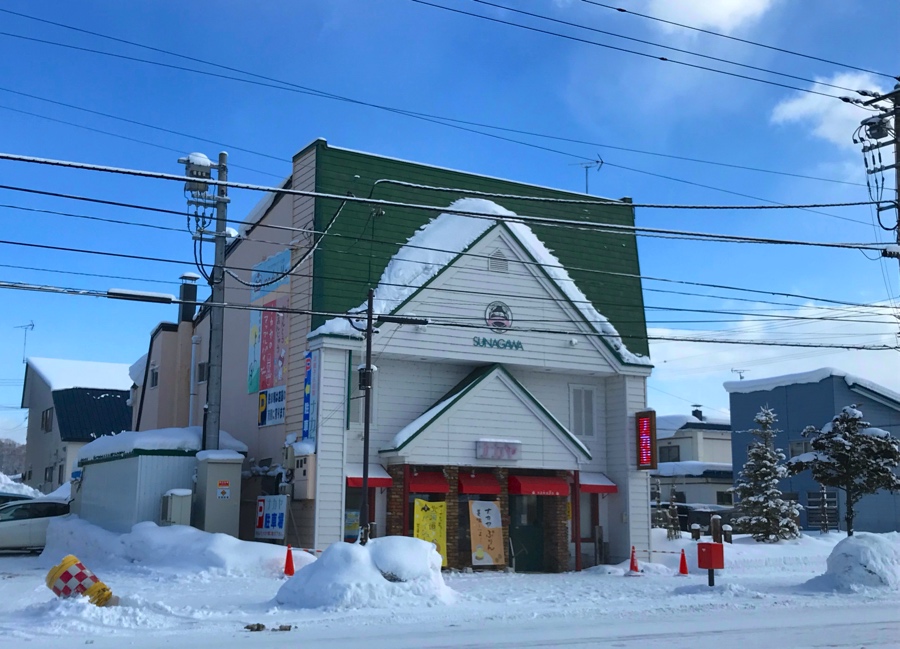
(878, 128)
(200, 167)
(365, 384)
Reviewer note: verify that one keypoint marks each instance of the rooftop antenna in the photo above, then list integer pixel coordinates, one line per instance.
(587, 167)
(27, 328)
(740, 373)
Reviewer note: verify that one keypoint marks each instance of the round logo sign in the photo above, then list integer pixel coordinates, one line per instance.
(498, 317)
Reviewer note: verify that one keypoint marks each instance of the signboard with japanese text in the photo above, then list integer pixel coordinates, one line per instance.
(430, 524)
(307, 393)
(645, 424)
(269, 338)
(271, 512)
(498, 449)
(487, 533)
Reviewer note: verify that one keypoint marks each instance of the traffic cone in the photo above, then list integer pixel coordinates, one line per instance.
(633, 568)
(289, 563)
(682, 568)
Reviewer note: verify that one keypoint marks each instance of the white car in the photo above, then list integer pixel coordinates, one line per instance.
(23, 524)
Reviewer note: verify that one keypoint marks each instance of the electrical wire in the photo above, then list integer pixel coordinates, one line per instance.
(740, 40)
(624, 50)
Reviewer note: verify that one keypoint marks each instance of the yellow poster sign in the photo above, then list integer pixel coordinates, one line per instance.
(430, 524)
(486, 530)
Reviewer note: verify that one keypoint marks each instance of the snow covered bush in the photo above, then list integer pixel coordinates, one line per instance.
(851, 455)
(765, 515)
(386, 571)
(865, 560)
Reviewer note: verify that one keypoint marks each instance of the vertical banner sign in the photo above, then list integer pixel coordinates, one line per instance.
(430, 524)
(645, 423)
(314, 394)
(307, 393)
(487, 533)
(269, 339)
(271, 512)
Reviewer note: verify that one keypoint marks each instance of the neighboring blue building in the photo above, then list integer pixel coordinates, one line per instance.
(813, 399)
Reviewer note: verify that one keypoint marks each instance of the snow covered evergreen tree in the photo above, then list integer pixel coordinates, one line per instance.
(764, 513)
(850, 455)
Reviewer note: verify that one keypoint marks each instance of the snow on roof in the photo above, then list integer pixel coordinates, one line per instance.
(10, 486)
(63, 374)
(689, 468)
(415, 425)
(375, 470)
(439, 242)
(595, 478)
(136, 370)
(668, 425)
(814, 376)
(163, 439)
(260, 209)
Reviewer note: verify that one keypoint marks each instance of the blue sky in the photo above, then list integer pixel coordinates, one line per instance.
(415, 57)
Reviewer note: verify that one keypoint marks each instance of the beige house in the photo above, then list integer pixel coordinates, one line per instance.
(69, 404)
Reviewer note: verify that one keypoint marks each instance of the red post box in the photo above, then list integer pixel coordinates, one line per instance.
(710, 556)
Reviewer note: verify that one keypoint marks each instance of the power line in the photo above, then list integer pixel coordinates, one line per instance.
(741, 40)
(625, 50)
(449, 323)
(662, 45)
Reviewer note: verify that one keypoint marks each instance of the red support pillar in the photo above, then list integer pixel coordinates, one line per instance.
(576, 517)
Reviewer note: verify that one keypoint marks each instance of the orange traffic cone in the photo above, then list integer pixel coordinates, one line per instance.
(682, 568)
(633, 568)
(289, 563)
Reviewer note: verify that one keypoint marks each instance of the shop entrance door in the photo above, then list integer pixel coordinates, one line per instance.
(526, 532)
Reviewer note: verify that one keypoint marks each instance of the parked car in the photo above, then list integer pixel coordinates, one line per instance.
(8, 497)
(23, 524)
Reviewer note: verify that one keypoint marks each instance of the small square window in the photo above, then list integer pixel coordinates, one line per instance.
(154, 377)
(724, 498)
(670, 454)
(202, 372)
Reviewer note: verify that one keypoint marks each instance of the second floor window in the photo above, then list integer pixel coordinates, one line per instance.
(154, 377)
(581, 399)
(47, 420)
(670, 454)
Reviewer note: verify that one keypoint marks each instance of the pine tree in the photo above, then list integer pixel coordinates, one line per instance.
(849, 454)
(764, 513)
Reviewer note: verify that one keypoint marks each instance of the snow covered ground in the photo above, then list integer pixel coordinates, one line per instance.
(188, 588)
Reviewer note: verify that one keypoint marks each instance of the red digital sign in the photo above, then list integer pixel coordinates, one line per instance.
(646, 439)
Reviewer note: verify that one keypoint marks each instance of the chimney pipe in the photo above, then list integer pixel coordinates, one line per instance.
(188, 293)
(696, 412)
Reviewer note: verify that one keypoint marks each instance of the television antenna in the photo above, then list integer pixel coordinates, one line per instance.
(740, 373)
(26, 329)
(587, 166)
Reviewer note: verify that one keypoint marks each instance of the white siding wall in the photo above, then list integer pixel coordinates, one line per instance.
(43, 449)
(115, 495)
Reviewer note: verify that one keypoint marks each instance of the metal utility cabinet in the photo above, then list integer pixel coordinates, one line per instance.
(217, 496)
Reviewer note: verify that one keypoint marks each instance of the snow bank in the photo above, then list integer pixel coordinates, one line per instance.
(63, 492)
(174, 549)
(389, 571)
(9, 486)
(861, 561)
(164, 439)
(62, 374)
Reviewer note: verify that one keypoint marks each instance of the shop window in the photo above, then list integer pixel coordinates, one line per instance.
(670, 454)
(724, 498)
(154, 377)
(799, 447)
(351, 513)
(581, 400)
(202, 372)
(47, 420)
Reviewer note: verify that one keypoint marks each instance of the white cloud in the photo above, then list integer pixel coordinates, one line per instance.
(686, 372)
(719, 15)
(825, 117)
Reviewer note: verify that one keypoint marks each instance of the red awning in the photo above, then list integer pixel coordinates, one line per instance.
(378, 477)
(531, 485)
(596, 483)
(479, 483)
(428, 482)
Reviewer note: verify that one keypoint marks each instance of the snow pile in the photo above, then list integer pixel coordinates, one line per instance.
(864, 560)
(164, 439)
(389, 571)
(137, 370)
(301, 446)
(9, 486)
(62, 374)
(175, 549)
(63, 492)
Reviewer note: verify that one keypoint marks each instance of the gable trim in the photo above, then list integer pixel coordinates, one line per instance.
(467, 385)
